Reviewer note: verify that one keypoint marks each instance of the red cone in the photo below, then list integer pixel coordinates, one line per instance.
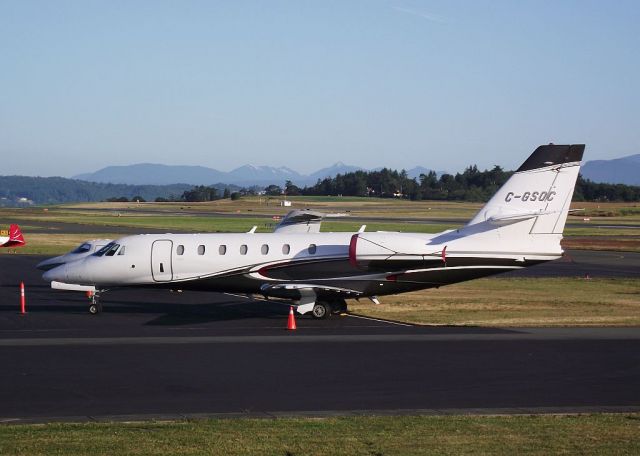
(291, 322)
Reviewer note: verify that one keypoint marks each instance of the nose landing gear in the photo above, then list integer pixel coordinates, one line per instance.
(95, 307)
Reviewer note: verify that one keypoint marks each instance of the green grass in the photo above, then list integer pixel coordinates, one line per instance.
(515, 302)
(235, 224)
(169, 222)
(336, 199)
(595, 231)
(390, 435)
(335, 226)
(179, 217)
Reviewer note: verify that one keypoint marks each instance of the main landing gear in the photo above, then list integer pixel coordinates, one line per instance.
(324, 309)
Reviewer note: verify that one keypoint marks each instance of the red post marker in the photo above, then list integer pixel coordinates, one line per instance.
(22, 300)
(291, 322)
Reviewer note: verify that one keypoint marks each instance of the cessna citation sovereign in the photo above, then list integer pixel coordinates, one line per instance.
(520, 226)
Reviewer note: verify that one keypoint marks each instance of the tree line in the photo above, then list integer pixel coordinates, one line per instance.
(470, 185)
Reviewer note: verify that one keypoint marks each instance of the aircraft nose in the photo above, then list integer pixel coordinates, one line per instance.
(50, 263)
(57, 274)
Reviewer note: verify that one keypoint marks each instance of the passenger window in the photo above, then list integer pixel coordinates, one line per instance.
(243, 249)
(180, 250)
(201, 249)
(286, 248)
(121, 252)
(264, 249)
(222, 250)
(312, 249)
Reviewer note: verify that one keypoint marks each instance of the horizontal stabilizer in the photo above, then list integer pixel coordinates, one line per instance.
(514, 218)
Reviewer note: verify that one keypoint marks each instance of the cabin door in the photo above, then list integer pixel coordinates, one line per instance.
(161, 267)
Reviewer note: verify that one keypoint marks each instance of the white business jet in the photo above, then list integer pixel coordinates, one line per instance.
(520, 226)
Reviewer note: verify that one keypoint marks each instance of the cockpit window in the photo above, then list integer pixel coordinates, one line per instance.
(121, 251)
(108, 250)
(112, 251)
(82, 248)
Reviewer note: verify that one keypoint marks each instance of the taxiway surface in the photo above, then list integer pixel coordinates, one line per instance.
(153, 353)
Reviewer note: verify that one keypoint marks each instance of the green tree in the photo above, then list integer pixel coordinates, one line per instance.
(273, 190)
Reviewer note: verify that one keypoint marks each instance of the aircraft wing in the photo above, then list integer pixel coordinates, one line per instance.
(306, 294)
(300, 221)
(267, 288)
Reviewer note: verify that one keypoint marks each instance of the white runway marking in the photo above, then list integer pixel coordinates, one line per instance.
(378, 320)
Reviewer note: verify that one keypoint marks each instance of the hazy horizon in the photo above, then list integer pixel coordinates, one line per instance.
(371, 83)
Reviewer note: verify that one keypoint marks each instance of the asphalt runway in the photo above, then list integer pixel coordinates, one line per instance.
(158, 354)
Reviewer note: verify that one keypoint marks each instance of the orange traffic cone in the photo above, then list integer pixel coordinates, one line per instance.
(23, 305)
(291, 322)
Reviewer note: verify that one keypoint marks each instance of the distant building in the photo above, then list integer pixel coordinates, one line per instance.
(22, 201)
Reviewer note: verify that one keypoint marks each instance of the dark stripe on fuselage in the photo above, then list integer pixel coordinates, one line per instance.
(338, 272)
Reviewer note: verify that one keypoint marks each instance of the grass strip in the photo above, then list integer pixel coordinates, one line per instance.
(388, 435)
(515, 302)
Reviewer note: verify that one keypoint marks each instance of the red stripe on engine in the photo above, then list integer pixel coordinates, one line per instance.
(352, 250)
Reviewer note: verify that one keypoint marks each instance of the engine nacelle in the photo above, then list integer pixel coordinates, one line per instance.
(376, 250)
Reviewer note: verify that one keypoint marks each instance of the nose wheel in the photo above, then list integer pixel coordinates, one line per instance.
(95, 307)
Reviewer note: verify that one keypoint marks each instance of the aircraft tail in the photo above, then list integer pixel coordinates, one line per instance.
(522, 222)
(16, 239)
(540, 192)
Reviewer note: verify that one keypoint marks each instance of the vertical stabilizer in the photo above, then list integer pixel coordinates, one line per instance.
(539, 191)
(15, 237)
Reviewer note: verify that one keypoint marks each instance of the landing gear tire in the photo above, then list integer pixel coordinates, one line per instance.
(95, 309)
(321, 310)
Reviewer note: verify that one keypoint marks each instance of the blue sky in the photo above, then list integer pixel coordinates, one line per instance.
(442, 84)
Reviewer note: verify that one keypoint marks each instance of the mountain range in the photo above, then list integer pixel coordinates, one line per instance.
(625, 170)
(247, 175)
